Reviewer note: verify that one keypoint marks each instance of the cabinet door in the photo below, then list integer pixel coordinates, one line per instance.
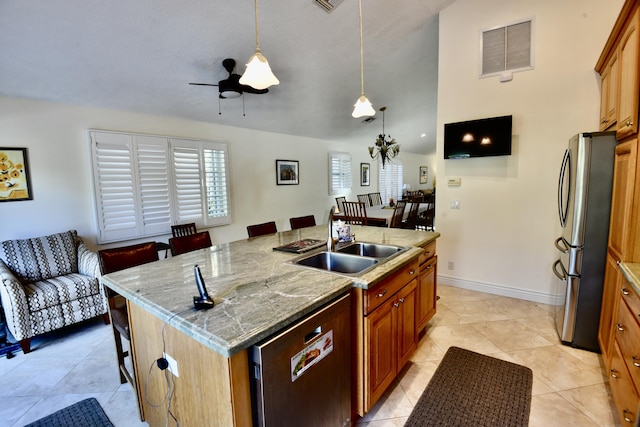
(407, 334)
(629, 85)
(622, 226)
(624, 394)
(381, 360)
(609, 93)
(610, 302)
(426, 293)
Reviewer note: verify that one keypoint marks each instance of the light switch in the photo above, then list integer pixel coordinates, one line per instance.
(454, 182)
(455, 204)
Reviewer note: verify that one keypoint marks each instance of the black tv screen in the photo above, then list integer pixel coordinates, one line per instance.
(478, 138)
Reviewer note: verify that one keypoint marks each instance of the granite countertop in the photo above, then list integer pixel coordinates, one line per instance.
(631, 272)
(256, 292)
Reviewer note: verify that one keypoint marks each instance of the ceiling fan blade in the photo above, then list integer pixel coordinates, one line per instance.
(203, 84)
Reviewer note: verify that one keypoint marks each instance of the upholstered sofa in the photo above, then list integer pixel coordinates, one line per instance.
(47, 283)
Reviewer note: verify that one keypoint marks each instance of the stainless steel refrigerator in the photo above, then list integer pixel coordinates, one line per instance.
(584, 202)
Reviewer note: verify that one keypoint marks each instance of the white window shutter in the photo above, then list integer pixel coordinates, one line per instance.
(188, 181)
(390, 181)
(115, 186)
(153, 167)
(217, 185)
(339, 173)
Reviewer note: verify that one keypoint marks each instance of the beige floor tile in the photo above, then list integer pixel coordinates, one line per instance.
(558, 369)
(541, 325)
(550, 410)
(593, 401)
(462, 336)
(509, 335)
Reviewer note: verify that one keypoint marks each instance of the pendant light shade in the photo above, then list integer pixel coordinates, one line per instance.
(363, 106)
(258, 73)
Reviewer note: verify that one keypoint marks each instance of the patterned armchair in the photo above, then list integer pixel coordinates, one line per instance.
(47, 283)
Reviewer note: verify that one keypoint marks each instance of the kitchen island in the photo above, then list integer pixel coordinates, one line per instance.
(256, 292)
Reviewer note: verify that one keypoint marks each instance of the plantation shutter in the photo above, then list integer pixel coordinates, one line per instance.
(217, 185)
(153, 167)
(188, 181)
(390, 181)
(339, 173)
(115, 186)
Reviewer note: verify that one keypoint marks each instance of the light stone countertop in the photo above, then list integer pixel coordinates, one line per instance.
(631, 272)
(256, 292)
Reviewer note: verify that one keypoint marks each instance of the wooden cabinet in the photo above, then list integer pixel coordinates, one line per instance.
(609, 92)
(627, 109)
(426, 291)
(610, 300)
(385, 331)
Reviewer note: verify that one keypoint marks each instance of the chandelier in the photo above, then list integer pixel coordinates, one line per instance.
(385, 147)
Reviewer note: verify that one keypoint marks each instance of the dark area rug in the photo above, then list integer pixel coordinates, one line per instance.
(471, 389)
(86, 413)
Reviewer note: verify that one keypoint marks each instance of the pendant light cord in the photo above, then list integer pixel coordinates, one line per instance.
(361, 50)
(257, 36)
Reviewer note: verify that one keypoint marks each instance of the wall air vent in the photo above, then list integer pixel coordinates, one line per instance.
(507, 48)
(328, 5)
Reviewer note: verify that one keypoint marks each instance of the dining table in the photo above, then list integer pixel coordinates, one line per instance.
(381, 215)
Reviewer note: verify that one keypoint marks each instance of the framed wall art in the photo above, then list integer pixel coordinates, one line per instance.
(287, 172)
(365, 174)
(424, 174)
(15, 183)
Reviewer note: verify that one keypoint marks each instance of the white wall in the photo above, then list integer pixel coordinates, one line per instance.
(59, 159)
(501, 239)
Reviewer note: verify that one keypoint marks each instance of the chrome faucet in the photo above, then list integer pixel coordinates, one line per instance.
(330, 246)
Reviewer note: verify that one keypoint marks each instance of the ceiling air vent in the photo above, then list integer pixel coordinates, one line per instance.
(328, 5)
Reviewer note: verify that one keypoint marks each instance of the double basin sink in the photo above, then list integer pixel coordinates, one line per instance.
(354, 259)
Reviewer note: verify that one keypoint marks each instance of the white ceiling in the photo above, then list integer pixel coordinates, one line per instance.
(139, 55)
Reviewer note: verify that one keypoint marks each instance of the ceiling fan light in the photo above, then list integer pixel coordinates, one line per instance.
(362, 108)
(258, 73)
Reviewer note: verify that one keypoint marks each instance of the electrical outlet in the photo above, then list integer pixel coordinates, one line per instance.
(450, 265)
(173, 365)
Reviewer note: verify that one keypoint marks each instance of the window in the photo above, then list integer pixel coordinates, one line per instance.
(508, 48)
(145, 183)
(339, 173)
(390, 181)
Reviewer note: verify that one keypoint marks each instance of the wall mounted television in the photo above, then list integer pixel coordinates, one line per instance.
(478, 138)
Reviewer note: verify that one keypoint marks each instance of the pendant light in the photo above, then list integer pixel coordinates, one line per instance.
(258, 74)
(363, 106)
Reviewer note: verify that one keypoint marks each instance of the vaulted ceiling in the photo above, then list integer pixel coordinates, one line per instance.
(140, 55)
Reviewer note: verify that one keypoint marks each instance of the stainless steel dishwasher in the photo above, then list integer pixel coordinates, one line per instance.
(302, 375)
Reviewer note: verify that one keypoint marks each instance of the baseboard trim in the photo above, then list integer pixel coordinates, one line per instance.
(504, 291)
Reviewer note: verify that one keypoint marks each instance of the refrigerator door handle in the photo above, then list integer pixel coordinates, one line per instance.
(564, 248)
(563, 199)
(562, 276)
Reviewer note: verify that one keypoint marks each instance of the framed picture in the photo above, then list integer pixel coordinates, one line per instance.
(15, 184)
(424, 174)
(365, 175)
(287, 172)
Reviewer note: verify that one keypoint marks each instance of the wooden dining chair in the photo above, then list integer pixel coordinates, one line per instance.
(117, 259)
(340, 202)
(364, 198)
(398, 215)
(375, 199)
(192, 242)
(412, 218)
(425, 219)
(302, 221)
(262, 229)
(183, 229)
(355, 213)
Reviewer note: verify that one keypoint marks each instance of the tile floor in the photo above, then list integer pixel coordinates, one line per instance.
(569, 386)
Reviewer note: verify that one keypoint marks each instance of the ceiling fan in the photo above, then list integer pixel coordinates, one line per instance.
(231, 87)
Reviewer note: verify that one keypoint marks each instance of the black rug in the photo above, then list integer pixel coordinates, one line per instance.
(471, 389)
(86, 413)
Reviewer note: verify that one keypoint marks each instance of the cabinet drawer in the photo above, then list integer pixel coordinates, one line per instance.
(389, 286)
(631, 298)
(624, 393)
(428, 252)
(628, 338)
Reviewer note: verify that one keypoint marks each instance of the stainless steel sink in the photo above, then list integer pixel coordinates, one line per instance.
(336, 262)
(373, 250)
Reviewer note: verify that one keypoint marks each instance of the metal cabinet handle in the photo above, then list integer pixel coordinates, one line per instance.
(629, 123)
(627, 414)
(381, 294)
(614, 373)
(636, 361)
(402, 300)
(603, 121)
(396, 304)
(625, 292)
(620, 327)
(412, 272)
